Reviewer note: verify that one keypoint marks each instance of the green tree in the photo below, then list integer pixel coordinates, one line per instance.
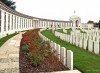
(98, 24)
(9, 3)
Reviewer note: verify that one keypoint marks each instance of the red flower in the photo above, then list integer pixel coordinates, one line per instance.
(31, 42)
(52, 59)
(48, 61)
(61, 60)
(51, 53)
(33, 47)
(43, 48)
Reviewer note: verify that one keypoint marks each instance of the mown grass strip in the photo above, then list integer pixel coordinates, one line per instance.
(67, 30)
(4, 39)
(85, 61)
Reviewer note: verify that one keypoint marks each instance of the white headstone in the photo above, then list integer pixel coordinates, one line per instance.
(70, 59)
(58, 51)
(85, 44)
(77, 41)
(54, 46)
(81, 43)
(96, 47)
(63, 55)
(90, 45)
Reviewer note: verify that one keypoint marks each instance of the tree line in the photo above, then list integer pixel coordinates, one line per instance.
(9, 3)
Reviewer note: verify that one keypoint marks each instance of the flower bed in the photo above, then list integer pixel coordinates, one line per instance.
(36, 55)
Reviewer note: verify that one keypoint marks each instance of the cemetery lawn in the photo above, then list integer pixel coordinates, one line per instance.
(67, 30)
(4, 39)
(85, 61)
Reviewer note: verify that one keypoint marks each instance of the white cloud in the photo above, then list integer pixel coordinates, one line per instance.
(60, 9)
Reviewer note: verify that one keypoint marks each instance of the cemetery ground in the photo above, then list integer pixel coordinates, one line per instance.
(85, 61)
(4, 39)
(68, 31)
(36, 56)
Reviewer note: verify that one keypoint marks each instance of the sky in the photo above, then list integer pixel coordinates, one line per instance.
(60, 9)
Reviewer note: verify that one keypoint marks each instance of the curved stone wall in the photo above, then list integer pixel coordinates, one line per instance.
(12, 21)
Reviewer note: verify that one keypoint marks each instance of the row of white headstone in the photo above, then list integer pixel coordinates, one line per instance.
(61, 53)
(82, 40)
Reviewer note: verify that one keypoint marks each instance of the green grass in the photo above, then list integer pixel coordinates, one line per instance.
(4, 39)
(68, 31)
(60, 30)
(85, 61)
(82, 31)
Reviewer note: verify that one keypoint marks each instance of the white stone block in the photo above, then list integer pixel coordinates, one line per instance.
(77, 41)
(90, 45)
(58, 51)
(85, 44)
(66, 38)
(81, 43)
(70, 59)
(51, 44)
(93, 38)
(63, 55)
(96, 47)
(71, 39)
(54, 46)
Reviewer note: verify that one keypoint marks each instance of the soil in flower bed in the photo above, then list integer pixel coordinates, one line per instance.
(25, 66)
(44, 66)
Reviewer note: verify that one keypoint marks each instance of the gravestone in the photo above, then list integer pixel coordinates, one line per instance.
(58, 51)
(96, 47)
(70, 59)
(63, 55)
(85, 43)
(90, 45)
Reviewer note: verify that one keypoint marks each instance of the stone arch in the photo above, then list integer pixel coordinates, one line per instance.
(77, 23)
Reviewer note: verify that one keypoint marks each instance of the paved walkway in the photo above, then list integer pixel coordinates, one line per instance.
(9, 55)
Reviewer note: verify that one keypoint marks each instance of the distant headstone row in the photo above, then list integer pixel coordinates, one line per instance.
(83, 38)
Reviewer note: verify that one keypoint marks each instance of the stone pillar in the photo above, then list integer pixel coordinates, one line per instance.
(28, 23)
(20, 23)
(31, 24)
(16, 23)
(2, 21)
(6, 22)
(25, 23)
(43, 24)
(13, 23)
(0, 25)
(10, 22)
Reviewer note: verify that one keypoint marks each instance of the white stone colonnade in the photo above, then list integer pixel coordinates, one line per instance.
(12, 21)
